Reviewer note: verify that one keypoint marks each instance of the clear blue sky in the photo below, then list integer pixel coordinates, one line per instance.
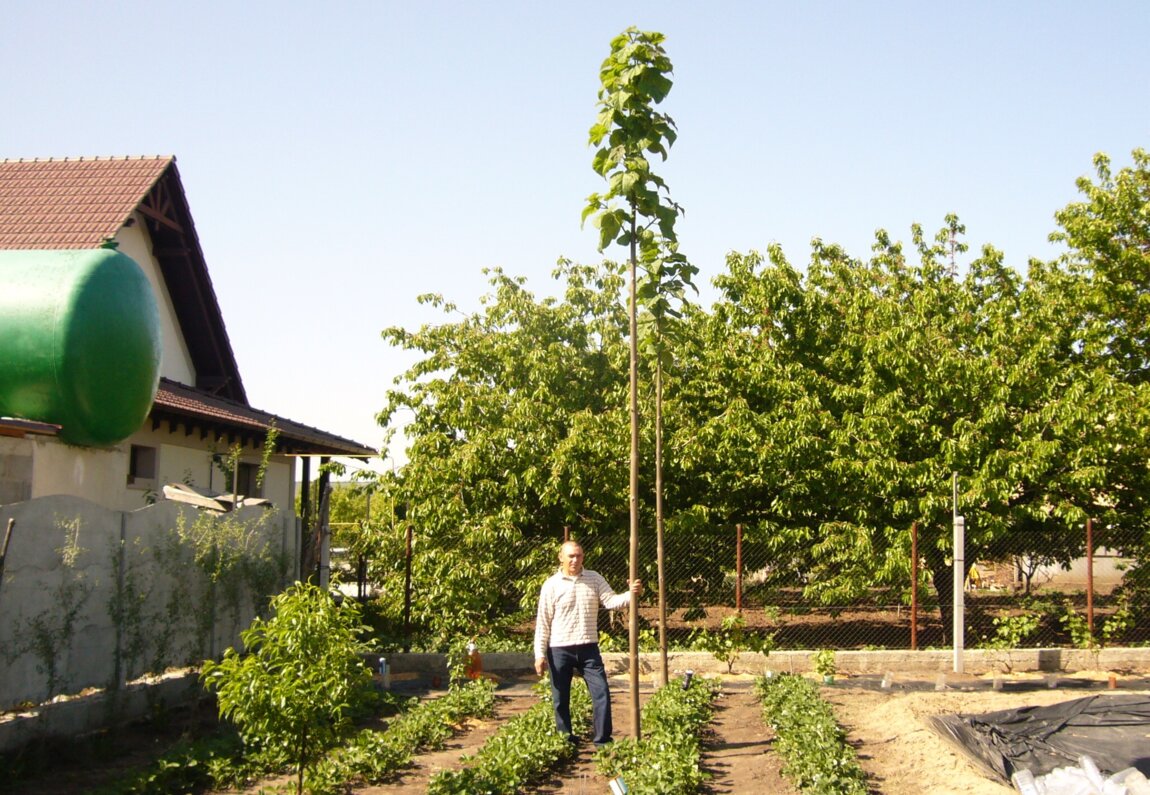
(343, 158)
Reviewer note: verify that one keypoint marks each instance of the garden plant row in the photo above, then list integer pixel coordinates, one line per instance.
(367, 757)
(523, 750)
(817, 758)
(666, 761)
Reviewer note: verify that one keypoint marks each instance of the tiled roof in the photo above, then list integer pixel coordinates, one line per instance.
(71, 203)
(80, 202)
(179, 403)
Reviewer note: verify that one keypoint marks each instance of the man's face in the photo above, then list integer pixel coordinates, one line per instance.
(571, 559)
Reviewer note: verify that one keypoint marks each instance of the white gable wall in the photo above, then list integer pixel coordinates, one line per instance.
(175, 362)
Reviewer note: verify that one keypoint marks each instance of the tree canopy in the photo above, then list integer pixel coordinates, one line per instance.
(823, 407)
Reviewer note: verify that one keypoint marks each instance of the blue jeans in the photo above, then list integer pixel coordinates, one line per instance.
(563, 662)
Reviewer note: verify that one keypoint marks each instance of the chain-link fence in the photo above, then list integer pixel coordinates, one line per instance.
(1014, 599)
(1009, 598)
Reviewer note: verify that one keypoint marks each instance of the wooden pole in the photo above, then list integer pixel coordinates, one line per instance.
(407, 589)
(304, 551)
(914, 586)
(633, 557)
(664, 670)
(4, 549)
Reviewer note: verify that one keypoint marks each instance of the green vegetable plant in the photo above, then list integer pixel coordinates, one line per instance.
(1119, 622)
(666, 761)
(371, 755)
(731, 640)
(293, 691)
(823, 662)
(817, 756)
(520, 752)
(1009, 633)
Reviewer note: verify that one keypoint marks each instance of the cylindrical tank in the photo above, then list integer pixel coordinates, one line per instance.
(79, 342)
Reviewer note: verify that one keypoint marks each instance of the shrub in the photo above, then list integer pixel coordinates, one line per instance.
(292, 692)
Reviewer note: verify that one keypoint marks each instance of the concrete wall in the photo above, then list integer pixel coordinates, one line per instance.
(15, 469)
(96, 598)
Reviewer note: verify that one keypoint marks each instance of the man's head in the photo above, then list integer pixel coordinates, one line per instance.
(571, 558)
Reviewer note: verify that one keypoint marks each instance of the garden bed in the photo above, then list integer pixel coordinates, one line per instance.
(897, 750)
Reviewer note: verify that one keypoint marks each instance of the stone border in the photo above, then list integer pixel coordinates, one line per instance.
(79, 715)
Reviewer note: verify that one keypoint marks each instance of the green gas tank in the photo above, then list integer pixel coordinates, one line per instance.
(79, 342)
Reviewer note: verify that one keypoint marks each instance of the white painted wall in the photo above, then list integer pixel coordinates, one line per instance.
(175, 361)
(96, 474)
(101, 474)
(137, 557)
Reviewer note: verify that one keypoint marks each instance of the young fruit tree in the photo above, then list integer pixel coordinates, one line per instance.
(634, 78)
(290, 693)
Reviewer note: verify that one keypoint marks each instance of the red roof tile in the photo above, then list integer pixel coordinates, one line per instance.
(182, 403)
(71, 203)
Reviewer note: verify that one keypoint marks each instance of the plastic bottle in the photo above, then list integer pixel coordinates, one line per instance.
(474, 666)
(1023, 781)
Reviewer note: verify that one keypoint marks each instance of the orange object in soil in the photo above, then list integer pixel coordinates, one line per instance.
(474, 667)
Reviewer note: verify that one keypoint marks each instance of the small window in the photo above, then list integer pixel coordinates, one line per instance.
(142, 467)
(246, 481)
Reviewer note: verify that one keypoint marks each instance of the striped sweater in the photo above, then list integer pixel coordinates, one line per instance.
(569, 609)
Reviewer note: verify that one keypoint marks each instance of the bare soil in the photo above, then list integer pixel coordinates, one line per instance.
(887, 726)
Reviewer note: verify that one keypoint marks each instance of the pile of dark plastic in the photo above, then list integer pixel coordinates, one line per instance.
(1089, 746)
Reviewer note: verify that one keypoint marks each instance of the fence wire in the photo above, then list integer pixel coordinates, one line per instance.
(1009, 599)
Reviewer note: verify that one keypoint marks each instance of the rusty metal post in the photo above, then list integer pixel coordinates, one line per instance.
(566, 533)
(739, 567)
(407, 589)
(1090, 576)
(914, 586)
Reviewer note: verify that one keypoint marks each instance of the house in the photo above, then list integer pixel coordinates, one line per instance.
(200, 411)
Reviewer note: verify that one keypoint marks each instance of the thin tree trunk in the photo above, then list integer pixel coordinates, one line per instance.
(633, 623)
(659, 519)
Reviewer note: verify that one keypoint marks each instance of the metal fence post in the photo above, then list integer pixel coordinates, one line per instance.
(739, 567)
(1090, 576)
(914, 586)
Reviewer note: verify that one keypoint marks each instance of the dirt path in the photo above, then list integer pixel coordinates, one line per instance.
(737, 748)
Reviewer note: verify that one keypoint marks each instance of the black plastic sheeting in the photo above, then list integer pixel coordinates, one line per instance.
(1112, 729)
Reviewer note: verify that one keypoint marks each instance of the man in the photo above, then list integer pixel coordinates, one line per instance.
(567, 637)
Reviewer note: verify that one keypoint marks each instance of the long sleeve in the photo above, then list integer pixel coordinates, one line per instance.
(568, 613)
(543, 617)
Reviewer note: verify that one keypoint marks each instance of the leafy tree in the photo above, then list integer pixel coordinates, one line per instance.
(863, 385)
(515, 413)
(1108, 237)
(290, 694)
(634, 79)
(1105, 280)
